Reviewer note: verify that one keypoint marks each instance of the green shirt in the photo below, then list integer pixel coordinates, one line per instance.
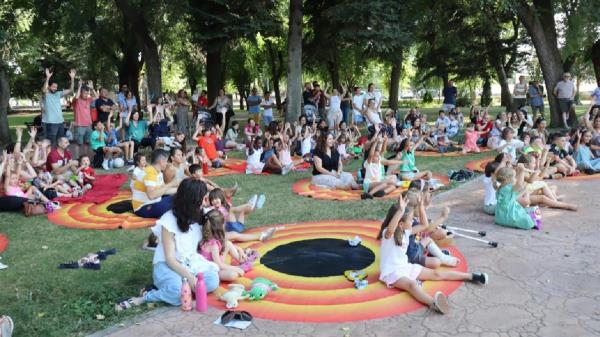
(95, 142)
(509, 212)
(137, 132)
(408, 162)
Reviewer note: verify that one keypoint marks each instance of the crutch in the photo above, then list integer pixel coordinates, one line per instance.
(480, 233)
(490, 243)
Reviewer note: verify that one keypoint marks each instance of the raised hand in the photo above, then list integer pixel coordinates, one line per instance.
(72, 73)
(48, 73)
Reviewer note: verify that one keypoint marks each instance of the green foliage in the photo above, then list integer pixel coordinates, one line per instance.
(427, 97)
(486, 93)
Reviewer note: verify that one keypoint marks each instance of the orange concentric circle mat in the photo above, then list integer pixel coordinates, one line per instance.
(97, 216)
(304, 188)
(329, 299)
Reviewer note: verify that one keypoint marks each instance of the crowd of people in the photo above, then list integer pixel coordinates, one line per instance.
(198, 224)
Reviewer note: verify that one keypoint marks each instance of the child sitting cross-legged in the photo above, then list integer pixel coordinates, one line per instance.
(215, 247)
(398, 272)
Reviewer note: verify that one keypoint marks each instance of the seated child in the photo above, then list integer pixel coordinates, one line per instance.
(509, 212)
(508, 144)
(87, 173)
(489, 201)
(471, 136)
(375, 182)
(215, 247)
(398, 272)
(254, 152)
(562, 160)
(406, 154)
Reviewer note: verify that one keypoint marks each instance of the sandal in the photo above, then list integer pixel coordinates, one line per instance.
(229, 315)
(353, 275)
(126, 304)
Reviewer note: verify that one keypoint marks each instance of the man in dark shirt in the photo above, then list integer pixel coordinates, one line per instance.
(103, 105)
(449, 94)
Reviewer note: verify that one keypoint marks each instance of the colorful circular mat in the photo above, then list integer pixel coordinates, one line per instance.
(3, 242)
(447, 154)
(333, 298)
(230, 166)
(305, 188)
(479, 166)
(97, 216)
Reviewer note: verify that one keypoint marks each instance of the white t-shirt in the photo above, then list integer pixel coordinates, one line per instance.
(186, 245)
(254, 158)
(267, 111)
(375, 95)
(512, 147)
(520, 91)
(373, 118)
(335, 103)
(490, 192)
(358, 100)
(565, 89)
(305, 146)
(393, 257)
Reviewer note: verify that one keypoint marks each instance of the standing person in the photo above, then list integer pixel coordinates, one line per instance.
(83, 118)
(346, 106)
(104, 105)
(358, 102)
(183, 108)
(267, 104)
(52, 116)
(334, 115)
(320, 100)
(449, 94)
(151, 197)
(520, 93)
(565, 92)
(536, 98)
(253, 102)
(195, 96)
(223, 105)
(372, 94)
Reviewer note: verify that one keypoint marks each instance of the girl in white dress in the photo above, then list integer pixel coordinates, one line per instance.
(253, 163)
(396, 271)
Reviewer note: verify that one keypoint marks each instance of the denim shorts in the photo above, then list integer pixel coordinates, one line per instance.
(415, 252)
(234, 226)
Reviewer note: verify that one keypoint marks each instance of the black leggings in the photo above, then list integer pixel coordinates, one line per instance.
(11, 204)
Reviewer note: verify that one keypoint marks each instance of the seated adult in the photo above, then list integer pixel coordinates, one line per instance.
(328, 167)
(176, 256)
(60, 161)
(136, 130)
(177, 167)
(151, 197)
(104, 154)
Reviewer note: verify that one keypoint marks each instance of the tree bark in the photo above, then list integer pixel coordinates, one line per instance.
(4, 106)
(505, 94)
(214, 71)
(276, 65)
(395, 83)
(294, 84)
(596, 60)
(334, 67)
(539, 22)
(130, 68)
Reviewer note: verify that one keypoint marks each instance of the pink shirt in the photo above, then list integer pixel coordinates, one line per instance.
(206, 248)
(15, 191)
(471, 139)
(83, 113)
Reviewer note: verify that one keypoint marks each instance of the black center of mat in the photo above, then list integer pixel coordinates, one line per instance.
(318, 258)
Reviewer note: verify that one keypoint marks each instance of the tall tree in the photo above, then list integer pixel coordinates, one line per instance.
(294, 78)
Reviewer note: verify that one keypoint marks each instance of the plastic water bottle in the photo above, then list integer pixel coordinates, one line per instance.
(204, 168)
(186, 296)
(201, 301)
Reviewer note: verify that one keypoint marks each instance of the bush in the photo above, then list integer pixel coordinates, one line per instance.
(463, 100)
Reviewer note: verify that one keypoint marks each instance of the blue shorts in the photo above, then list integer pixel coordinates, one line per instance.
(267, 120)
(415, 252)
(234, 226)
(358, 119)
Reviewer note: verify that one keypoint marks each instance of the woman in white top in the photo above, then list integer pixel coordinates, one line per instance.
(334, 115)
(371, 113)
(176, 256)
(397, 272)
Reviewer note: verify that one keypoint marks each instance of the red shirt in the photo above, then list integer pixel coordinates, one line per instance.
(486, 128)
(203, 101)
(83, 112)
(208, 143)
(90, 172)
(54, 157)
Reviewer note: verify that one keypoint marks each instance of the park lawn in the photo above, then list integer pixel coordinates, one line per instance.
(46, 301)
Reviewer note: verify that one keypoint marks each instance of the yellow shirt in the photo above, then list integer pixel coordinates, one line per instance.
(150, 178)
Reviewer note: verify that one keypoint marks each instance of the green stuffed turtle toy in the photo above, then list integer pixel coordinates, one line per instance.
(260, 288)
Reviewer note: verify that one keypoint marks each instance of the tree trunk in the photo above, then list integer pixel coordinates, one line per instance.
(153, 67)
(193, 83)
(543, 35)
(505, 95)
(596, 60)
(4, 106)
(214, 72)
(129, 71)
(294, 85)
(276, 65)
(395, 83)
(334, 68)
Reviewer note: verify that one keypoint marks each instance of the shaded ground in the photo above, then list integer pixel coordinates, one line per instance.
(543, 283)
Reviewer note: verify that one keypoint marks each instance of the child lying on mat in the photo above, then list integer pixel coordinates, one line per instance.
(398, 272)
(235, 216)
(215, 247)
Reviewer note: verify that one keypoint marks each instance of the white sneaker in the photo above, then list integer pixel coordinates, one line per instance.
(105, 165)
(286, 169)
(252, 201)
(3, 266)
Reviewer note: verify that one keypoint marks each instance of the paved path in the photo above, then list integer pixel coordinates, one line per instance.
(543, 283)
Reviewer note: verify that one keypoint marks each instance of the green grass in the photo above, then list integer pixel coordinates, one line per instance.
(46, 301)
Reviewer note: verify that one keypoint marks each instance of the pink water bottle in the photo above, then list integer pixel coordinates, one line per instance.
(186, 296)
(201, 301)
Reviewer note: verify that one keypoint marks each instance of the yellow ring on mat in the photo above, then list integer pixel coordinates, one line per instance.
(329, 299)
